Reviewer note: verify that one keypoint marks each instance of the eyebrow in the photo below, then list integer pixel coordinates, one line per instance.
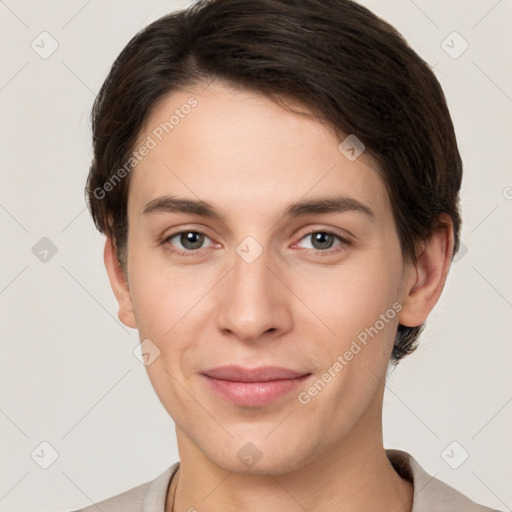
(341, 204)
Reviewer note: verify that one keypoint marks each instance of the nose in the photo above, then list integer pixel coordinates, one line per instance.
(253, 302)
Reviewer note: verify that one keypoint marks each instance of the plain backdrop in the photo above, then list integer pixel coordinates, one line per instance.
(69, 377)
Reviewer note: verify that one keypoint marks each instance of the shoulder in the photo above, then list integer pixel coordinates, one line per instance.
(431, 494)
(147, 497)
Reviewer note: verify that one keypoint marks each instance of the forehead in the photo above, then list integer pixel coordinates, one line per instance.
(239, 149)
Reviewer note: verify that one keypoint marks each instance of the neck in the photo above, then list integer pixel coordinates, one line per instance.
(355, 475)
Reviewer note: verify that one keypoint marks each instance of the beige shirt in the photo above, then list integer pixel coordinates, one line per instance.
(430, 494)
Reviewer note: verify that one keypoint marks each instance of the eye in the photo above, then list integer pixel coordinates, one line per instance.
(190, 241)
(323, 240)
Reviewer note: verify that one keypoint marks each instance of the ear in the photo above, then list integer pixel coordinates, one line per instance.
(119, 285)
(426, 278)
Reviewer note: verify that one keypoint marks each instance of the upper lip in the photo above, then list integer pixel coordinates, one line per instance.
(236, 373)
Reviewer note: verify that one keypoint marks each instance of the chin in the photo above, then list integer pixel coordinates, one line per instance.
(249, 455)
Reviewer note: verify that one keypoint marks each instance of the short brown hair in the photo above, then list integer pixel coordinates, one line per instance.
(347, 66)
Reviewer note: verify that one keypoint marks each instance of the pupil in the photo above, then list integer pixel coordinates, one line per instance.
(321, 238)
(192, 240)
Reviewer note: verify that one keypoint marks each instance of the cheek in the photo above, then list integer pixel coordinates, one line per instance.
(351, 297)
(361, 311)
(160, 293)
(172, 306)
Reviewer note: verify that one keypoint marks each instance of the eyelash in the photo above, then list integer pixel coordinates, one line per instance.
(343, 241)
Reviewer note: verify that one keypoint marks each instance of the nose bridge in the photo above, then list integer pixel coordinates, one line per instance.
(251, 301)
(250, 273)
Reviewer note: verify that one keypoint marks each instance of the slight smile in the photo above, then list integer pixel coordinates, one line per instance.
(254, 387)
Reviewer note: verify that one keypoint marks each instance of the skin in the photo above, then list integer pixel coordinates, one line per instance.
(295, 306)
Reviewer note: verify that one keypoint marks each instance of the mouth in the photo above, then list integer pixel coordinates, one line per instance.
(253, 387)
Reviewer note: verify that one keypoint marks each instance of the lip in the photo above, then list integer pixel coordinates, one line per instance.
(237, 373)
(253, 387)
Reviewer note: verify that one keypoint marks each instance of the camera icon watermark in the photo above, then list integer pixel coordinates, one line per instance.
(44, 455)
(249, 455)
(44, 45)
(454, 455)
(146, 352)
(454, 45)
(351, 147)
(249, 249)
(44, 250)
(463, 250)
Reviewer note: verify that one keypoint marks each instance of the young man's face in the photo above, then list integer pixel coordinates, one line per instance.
(305, 303)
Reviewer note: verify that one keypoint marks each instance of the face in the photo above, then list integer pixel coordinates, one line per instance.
(276, 251)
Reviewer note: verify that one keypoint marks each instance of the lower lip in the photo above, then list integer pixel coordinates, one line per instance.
(254, 394)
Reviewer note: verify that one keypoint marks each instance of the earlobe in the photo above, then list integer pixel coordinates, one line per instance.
(428, 277)
(119, 284)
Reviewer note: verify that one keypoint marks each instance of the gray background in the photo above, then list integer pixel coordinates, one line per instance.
(68, 373)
